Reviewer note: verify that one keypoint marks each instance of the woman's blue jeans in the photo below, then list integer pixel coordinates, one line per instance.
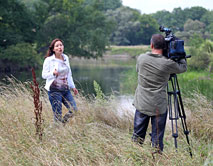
(141, 122)
(57, 98)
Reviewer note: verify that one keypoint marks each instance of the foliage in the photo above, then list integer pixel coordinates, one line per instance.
(163, 18)
(16, 24)
(195, 13)
(17, 33)
(201, 55)
(131, 27)
(106, 4)
(191, 25)
(126, 20)
(20, 57)
(199, 61)
(148, 27)
(29, 4)
(84, 29)
(207, 18)
(98, 91)
(187, 22)
(177, 18)
(88, 26)
(195, 40)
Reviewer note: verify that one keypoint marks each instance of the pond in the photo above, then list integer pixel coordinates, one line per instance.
(107, 72)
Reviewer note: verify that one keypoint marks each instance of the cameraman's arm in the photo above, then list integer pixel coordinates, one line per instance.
(177, 67)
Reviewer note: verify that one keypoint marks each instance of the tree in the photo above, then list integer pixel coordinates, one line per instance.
(29, 4)
(84, 29)
(106, 4)
(202, 58)
(16, 24)
(196, 40)
(207, 18)
(17, 35)
(149, 26)
(127, 24)
(194, 13)
(195, 26)
(164, 18)
(20, 56)
(177, 18)
(132, 28)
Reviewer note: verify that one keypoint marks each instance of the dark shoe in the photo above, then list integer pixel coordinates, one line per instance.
(66, 117)
(137, 140)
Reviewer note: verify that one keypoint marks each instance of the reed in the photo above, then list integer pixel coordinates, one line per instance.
(37, 106)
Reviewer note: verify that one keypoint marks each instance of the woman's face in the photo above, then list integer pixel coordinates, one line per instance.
(58, 48)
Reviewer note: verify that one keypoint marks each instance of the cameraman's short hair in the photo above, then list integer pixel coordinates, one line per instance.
(158, 41)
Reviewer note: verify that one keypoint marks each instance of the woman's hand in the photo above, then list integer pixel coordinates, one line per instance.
(75, 91)
(55, 73)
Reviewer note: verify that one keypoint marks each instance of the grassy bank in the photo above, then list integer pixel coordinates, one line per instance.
(132, 51)
(97, 135)
(190, 82)
(197, 81)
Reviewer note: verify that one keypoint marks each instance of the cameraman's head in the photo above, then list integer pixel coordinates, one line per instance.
(157, 44)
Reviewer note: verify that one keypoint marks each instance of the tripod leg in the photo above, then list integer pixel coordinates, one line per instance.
(180, 110)
(183, 120)
(173, 116)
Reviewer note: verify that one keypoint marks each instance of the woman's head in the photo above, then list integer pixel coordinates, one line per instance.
(56, 47)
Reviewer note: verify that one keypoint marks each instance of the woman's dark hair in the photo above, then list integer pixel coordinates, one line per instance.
(50, 51)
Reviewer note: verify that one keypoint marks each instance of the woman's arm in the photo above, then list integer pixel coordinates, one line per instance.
(46, 71)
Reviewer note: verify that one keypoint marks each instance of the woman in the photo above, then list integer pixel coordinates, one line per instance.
(58, 75)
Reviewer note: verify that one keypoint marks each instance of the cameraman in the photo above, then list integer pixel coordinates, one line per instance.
(150, 99)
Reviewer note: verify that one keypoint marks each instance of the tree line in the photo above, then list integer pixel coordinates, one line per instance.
(86, 27)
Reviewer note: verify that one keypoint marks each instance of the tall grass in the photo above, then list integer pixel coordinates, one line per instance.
(97, 134)
(197, 81)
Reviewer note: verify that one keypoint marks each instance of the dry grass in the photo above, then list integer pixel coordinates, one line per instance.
(201, 116)
(95, 136)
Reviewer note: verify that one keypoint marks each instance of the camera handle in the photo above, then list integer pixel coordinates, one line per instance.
(176, 110)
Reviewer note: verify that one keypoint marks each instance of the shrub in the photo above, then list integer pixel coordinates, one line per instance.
(20, 56)
(201, 56)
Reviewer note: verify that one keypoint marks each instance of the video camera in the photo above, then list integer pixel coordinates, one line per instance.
(174, 47)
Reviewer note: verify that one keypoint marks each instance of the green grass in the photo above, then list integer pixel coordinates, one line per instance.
(97, 135)
(196, 81)
(190, 82)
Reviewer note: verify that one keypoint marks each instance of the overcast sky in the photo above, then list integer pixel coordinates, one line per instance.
(152, 6)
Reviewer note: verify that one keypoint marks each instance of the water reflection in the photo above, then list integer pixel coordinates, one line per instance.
(108, 73)
(108, 79)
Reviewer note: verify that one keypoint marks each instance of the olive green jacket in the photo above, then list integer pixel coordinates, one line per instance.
(153, 74)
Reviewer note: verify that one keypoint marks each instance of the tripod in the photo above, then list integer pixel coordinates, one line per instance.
(176, 110)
